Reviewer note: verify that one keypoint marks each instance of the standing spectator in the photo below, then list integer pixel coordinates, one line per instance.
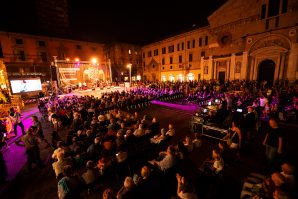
(273, 142)
(15, 117)
(250, 124)
(31, 143)
(38, 129)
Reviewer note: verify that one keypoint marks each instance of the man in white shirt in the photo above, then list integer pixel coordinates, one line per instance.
(16, 120)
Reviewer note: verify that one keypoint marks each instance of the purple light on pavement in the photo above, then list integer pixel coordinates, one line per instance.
(191, 108)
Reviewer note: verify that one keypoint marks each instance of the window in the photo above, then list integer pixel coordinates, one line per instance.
(144, 64)
(203, 54)
(200, 41)
(163, 61)
(182, 46)
(190, 57)
(178, 47)
(188, 44)
(163, 50)
(171, 67)
(21, 55)
(93, 49)
(206, 40)
(205, 69)
(43, 56)
(149, 54)
(263, 11)
(180, 58)
(19, 41)
(284, 7)
(171, 60)
(78, 47)
(155, 52)
(171, 49)
(153, 66)
(1, 52)
(193, 43)
(143, 55)
(163, 68)
(41, 43)
(273, 9)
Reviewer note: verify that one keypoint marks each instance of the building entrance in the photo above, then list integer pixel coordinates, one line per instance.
(222, 77)
(266, 72)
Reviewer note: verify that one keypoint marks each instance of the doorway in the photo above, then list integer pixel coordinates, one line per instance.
(221, 77)
(266, 72)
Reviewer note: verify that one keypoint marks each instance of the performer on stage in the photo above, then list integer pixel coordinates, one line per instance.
(15, 117)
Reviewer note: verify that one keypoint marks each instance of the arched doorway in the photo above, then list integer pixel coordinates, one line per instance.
(266, 72)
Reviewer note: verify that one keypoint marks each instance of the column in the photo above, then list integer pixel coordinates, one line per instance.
(232, 66)
(210, 67)
(244, 66)
(252, 68)
(281, 67)
(228, 69)
(292, 63)
(202, 69)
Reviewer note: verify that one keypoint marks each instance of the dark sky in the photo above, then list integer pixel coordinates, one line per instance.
(134, 21)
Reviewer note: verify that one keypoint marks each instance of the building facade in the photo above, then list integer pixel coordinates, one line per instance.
(122, 55)
(30, 56)
(246, 40)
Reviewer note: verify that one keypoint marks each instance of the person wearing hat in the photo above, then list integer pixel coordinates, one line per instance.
(15, 117)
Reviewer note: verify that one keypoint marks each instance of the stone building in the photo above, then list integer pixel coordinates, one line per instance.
(28, 56)
(252, 40)
(122, 54)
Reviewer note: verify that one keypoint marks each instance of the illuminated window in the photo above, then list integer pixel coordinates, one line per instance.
(172, 78)
(190, 77)
(163, 78)
(180, 77)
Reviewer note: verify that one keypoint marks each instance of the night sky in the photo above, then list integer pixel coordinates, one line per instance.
(138, 22)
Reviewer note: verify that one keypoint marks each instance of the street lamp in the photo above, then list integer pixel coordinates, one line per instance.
(129, 66)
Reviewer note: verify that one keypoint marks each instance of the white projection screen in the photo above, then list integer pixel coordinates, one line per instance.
(25, 85)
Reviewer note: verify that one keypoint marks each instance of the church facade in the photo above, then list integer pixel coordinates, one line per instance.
(245, 40)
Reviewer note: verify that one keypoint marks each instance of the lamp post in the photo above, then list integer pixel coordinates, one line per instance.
(129, 66)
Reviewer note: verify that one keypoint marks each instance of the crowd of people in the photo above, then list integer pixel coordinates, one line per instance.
(100, 141)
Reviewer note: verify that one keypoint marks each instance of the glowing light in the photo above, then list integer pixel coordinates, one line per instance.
(128, 65)
(77, 59)
(94, 60)
(67, 59)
